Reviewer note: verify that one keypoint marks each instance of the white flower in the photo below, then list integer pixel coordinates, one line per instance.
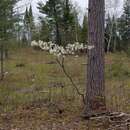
(59, 51)
(90, 47)
(34, 43)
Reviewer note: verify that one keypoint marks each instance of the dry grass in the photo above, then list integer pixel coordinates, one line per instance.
(29, 95)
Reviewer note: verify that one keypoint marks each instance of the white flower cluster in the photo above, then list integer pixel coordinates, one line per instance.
(57, 50)
(50, 47)
(76, 47)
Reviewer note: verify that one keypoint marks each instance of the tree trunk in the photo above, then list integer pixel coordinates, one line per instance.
(95, 90)
(2, 61)
(58, 38)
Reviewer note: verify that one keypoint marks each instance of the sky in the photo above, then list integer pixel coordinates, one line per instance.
(81, 3)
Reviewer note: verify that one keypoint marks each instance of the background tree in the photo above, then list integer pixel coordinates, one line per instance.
(75, 24)
(84, 29)
(124, 26)
(69, 22)
(111, 34)
(53, 11)
(29, 24)
(26, 26)
(6, 28)
(62, 20)
(7, 18)
(45, 33)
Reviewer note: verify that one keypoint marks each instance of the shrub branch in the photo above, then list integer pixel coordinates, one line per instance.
(62, 65)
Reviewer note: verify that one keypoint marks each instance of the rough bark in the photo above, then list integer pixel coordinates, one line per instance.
(95, 89)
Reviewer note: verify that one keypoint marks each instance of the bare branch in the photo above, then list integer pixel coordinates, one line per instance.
(61, 64)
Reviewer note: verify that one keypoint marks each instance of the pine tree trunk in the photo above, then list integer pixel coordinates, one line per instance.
(95, 90)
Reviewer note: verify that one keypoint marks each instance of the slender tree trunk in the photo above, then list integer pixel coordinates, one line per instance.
(95, 90)
(2, 61)
(58, 38)
(115, 37)
(109, 40)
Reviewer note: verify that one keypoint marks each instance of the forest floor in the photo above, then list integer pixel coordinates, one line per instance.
(36, 95)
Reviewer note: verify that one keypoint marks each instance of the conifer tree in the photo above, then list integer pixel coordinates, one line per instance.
(6, 28)
(124, 26)
(53, 11)
(69, 22)
(84, 29)
(29, 23)
(7, 19)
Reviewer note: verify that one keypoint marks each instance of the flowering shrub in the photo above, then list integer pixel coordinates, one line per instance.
(70, 49)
